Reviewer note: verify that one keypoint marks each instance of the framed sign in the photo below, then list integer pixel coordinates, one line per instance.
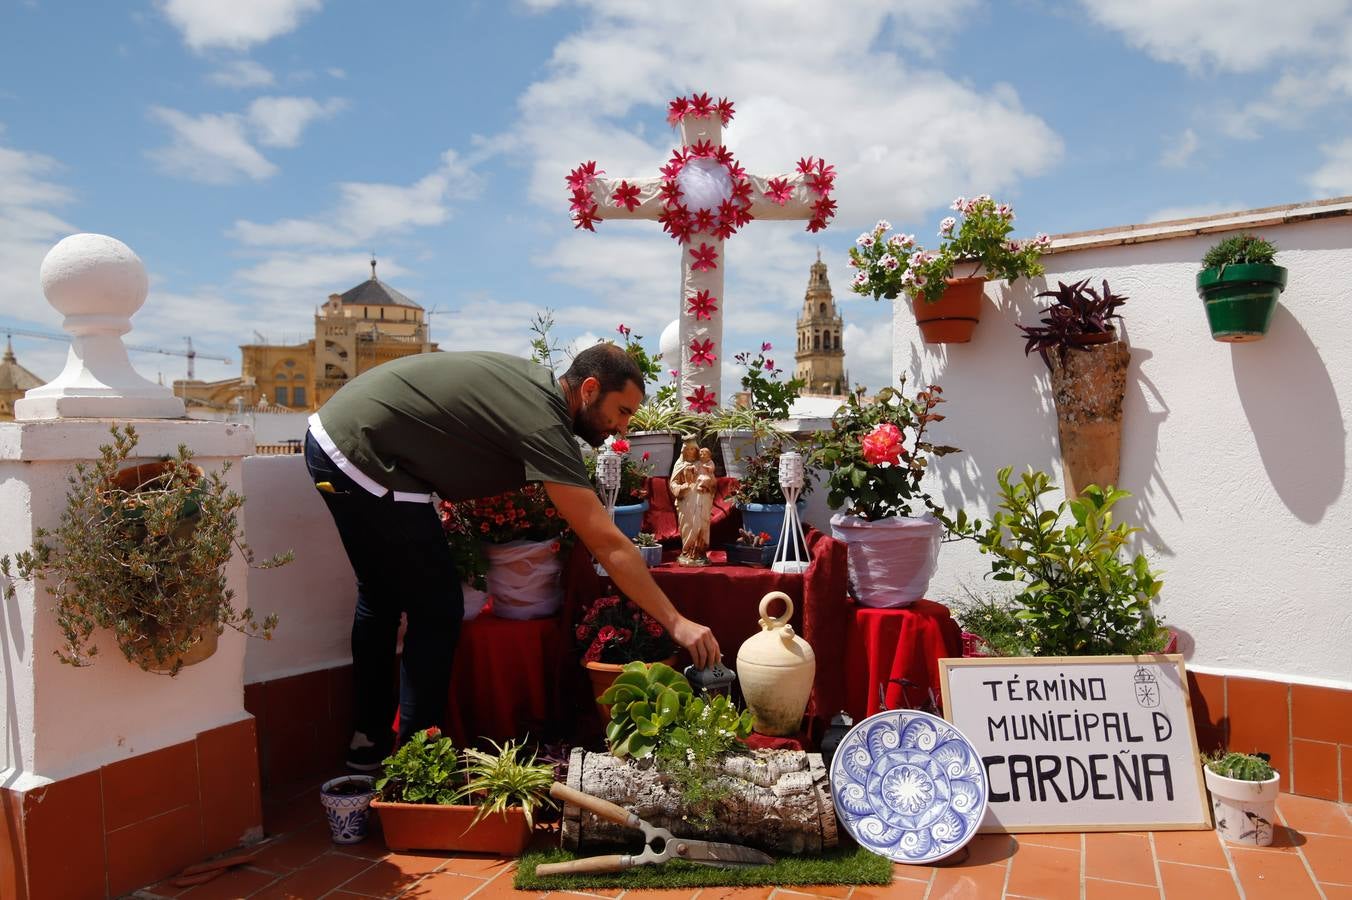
(1081, 743)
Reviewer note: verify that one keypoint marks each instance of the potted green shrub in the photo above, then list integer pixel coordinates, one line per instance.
(1078, 595)
(1239, 285)
(946, 302)
(141, 551)
(759, 497)
(1244, 791)
(1081, 345)
(426, 779)
(656, 427)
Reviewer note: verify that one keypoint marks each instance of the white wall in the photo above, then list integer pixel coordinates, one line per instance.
(1236, 454)
(313, 596)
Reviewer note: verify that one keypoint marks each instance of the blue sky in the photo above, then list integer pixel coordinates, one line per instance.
(254, 153)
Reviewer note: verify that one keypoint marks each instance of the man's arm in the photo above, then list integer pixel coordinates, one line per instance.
(586, 516)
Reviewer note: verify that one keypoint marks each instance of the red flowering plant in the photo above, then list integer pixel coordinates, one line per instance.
(615, 630)
(867, 459)
(526, 514)
(634, 474)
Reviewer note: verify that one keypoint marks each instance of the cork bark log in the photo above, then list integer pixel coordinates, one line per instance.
(780, 802)
(1088, 387)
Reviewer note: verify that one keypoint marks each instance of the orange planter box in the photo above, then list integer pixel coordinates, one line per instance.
(429, 826)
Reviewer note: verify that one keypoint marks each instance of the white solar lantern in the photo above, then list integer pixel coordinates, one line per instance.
(789, 556)
(608, 479)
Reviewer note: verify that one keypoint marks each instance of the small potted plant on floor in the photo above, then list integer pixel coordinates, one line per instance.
(1243, 796)
(1239, 285)
(347, 801)
(425, 780)
(141, 551)
(613, 632)
(1079, 342)
(947, 308)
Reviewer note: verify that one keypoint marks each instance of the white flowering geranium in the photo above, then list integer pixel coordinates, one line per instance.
(982, 239)
(882, 263)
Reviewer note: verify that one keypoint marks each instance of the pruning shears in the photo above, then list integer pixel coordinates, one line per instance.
(659, 844)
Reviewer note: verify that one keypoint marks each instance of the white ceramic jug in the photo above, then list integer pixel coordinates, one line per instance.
(775, 669)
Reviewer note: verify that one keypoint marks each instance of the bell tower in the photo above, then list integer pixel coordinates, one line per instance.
(819, 359)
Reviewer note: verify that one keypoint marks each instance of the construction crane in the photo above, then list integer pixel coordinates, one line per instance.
(190, 353)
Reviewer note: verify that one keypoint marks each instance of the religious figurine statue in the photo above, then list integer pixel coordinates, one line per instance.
(693, 485)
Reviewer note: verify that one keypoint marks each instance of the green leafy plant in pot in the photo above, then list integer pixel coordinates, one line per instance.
(758, 497)
(1244, 791)
(141, 551)
(1077, 596)
(1239, 285)
(1080, 343)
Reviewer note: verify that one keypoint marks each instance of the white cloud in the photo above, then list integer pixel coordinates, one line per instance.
(218, 148)
(28, 229)
(1334, 177)
(1228, 35)
(335, 72)
(241, 73)
(238, 24)
(211, 148)
(1195, 211)
(1180, 150)
(279, 121)
(366, 210)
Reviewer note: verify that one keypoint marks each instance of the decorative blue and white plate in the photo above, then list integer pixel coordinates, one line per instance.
(909, 786)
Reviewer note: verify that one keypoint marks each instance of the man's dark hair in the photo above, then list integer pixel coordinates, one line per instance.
(608, 363)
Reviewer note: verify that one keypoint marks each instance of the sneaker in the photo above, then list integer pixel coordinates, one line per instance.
(363, 755)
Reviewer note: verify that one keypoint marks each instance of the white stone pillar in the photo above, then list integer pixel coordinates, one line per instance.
(97, 283)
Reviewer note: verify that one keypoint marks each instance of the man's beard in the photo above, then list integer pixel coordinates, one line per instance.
(587, 425)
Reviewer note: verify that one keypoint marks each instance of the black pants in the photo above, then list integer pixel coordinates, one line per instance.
(403, 565)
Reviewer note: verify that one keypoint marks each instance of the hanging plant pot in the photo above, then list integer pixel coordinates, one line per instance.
(1088, 386)
(1240, 298)
(952, 318)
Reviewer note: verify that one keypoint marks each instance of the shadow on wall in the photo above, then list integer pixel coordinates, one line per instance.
(1289, 399)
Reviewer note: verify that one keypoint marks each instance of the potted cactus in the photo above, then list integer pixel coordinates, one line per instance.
(1239, 285)
(1243, 796)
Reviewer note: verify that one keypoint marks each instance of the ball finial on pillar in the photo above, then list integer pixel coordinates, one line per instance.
(98, 283)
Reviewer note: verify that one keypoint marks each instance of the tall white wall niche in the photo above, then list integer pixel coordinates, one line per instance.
(97, 283)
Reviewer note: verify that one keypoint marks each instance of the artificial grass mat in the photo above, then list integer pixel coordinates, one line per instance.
(841, 865)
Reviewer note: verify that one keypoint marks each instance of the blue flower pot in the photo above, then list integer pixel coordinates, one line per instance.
(767, 517)
(629, 519)
(741, 555)
(348, 814)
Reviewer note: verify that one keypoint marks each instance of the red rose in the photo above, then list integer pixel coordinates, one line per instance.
(620, 445)
(882, 445)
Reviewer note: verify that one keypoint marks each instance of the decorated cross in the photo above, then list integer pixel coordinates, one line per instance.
(702, 197)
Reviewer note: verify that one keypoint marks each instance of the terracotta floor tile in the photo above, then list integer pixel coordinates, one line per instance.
(1121, 856)
(1199, 848)
(967, 883)
(1045, 872)
(291, 851)
(1098, 889)
(900, 889)
(479, 866)
(1186, 882)
(989, 849)
(681, 894)
(372, 848)
(240, 882)
(1272, 876)
(1312, 814)
(1337, 891)
(1321, 714)
(798, 892)
(1330, 857)
(317, 879)
(1315, 768)
(736, 893)
(448, 885)
(395, 873)
(1064, 840)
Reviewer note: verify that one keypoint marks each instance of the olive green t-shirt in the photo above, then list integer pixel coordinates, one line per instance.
(461, 424)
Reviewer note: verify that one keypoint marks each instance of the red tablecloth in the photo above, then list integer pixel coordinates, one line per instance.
(727, 598)
(885, 646)
(506, 679)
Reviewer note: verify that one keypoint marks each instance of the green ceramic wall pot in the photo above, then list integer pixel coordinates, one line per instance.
(1239, 299)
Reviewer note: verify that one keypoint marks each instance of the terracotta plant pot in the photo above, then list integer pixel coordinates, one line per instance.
(203, 649)
(1088, 387)
(429, 826)
(952, 318)
(603, 675)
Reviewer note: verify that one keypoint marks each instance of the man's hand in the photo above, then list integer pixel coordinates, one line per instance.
(698, 640)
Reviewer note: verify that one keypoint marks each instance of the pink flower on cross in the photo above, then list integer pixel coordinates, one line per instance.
(704, 258)
(702, 352)
(779, 190)
(702, 400)
(626, 195)
(583, 175)
(703, 305)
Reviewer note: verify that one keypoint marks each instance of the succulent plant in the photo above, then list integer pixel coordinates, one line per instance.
(645, 699)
